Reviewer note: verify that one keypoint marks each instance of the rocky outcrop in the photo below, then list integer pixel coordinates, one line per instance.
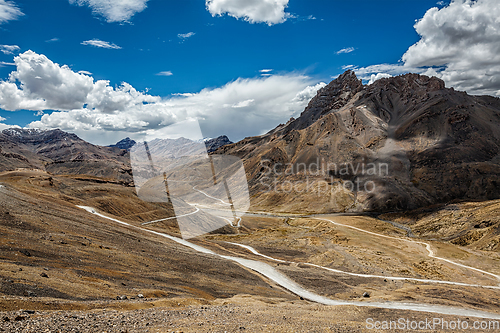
(126, 144)
(214, 144)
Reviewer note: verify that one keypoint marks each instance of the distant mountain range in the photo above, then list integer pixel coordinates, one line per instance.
(211, 144)
(60, 152)
(403, 143)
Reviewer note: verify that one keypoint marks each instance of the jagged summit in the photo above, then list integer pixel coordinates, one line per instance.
(346, 88)
(126, 144)
(331, 97)
(214, 144)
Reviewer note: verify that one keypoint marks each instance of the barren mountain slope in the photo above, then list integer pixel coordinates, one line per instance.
(50, 249)
(403, 142)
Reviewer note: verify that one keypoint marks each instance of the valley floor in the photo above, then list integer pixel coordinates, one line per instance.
(62, 267)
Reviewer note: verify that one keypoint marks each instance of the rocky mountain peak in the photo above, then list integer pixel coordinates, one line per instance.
(214, 144)
(333, 96)
(436, 145)
(126, 144)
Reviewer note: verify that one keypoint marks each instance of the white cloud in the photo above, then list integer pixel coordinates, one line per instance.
(243, 104)
(165, 73)
(310, 17)
(94, 109)
(375, 77)
(186, 35)
(308, 93)
(52, 40)
(365, 73)
(253, 11)
(85, 72)
(9, 49)
(265, 70)
(463, 38)
(3, 63)
(113, 10)
(346, 50)
(5, 126)
(299, 18)
(9, 11)
(101, 43)
(40, 84)
(459, 43)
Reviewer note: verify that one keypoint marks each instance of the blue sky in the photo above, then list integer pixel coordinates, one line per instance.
(166, 48)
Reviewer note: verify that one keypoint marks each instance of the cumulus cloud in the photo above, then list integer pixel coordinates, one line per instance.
(346, 50)
(463, 38)
(40, 84)
(165, 73)
(253, 11)
(308, 93)
(113, 10)
(9, 11)
(367, 73)
(101, 44)
(375, 77)
(242, 104)
(85, 72)
(459, 43)
(9, 49)
(5, 126)
(94, 109)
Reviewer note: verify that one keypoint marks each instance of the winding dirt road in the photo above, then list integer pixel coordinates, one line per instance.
(285, 282)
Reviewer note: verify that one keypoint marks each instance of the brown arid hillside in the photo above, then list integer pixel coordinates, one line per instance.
(400, 143)
(59, 153)
(51, 249)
